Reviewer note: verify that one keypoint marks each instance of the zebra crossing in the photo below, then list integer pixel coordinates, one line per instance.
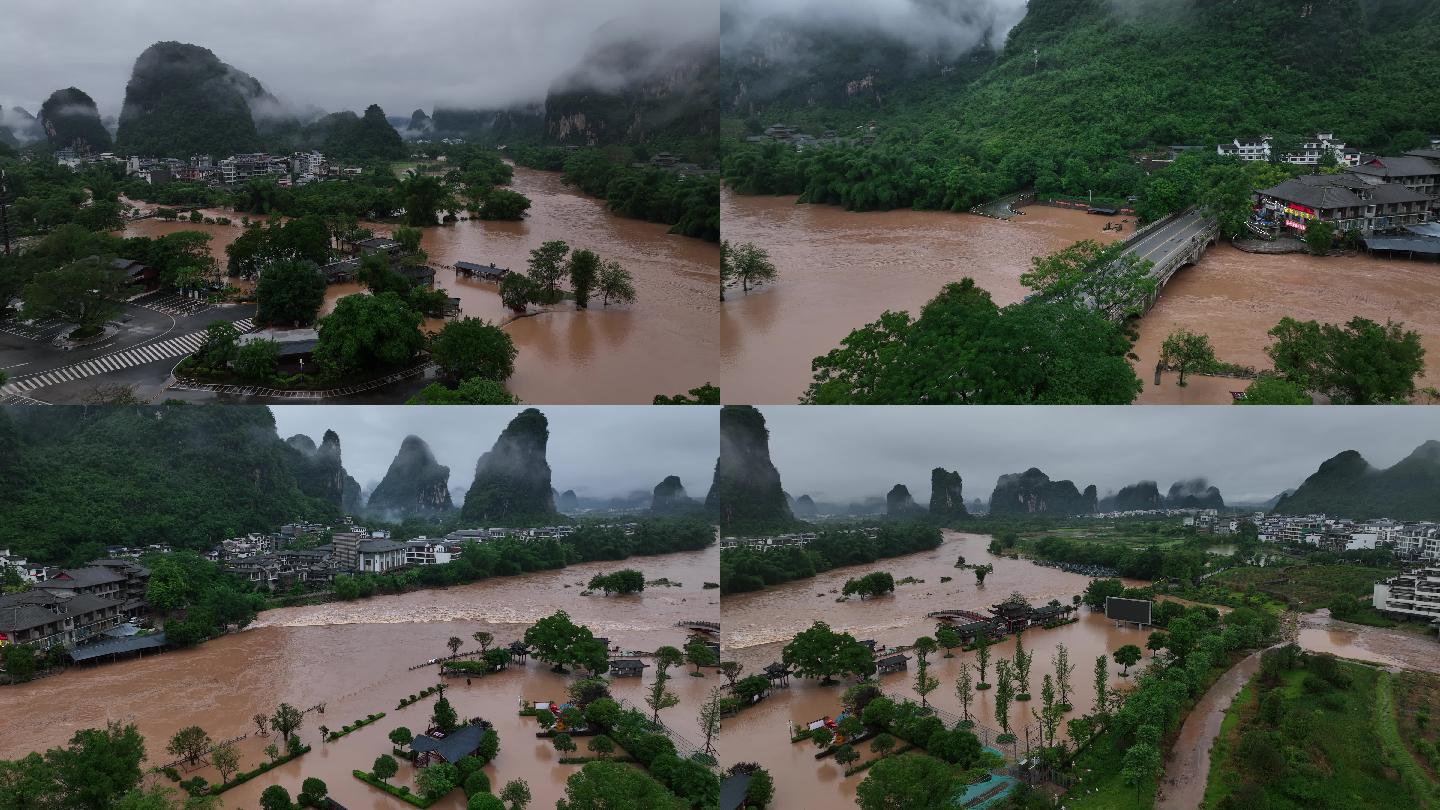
(114, 361)
(39, 330)
(178, 305)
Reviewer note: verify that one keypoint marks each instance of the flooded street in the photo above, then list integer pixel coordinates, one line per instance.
(665, 342)
(356, 658)
(838, 270)
(1187, 766)
(1236, 297)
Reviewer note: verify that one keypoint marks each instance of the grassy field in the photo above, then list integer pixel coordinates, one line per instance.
(1304, 587)
(1332, 746)
(1217, 786)
(1417, 704)
(1101, 787)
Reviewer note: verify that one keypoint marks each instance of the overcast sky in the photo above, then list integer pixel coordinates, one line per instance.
(946, 28)
(332, 54)
(1251, 454)
(596, 450)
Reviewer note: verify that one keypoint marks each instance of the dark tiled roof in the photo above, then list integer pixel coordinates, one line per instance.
(1325, 192)
(380, 546)
(1415, 244)
(1402, 166)
(87, 577)
(732, 791)
(112, 646)
(457, 745)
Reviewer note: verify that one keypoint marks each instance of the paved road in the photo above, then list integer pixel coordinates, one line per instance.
(1162, 243)
(154, 333)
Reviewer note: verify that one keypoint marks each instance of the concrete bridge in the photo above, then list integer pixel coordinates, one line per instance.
(1171, 243)
(699, 626)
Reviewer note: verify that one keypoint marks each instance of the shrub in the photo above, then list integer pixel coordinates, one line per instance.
(476, 782)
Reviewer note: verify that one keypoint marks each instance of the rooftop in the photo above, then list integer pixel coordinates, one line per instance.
(1322, 191)
(456, 745)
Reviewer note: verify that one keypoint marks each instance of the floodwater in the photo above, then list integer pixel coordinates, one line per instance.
(356, 657)
(839, 270)
(1236, 297)
(757, 626)
(1187, 766)
(666, 342)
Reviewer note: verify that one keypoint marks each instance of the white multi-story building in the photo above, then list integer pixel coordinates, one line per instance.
(1311, 150)
(1413, 594)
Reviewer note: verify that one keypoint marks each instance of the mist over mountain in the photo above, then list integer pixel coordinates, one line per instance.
(669, 498)
(1346, 485)
(746, 494)
(1033, 493)
(182, 100)
(512, 480)
(416, 485)
(947, 499)
(1135, 497)
(321, 472)
(69, 116)
(1195, 493)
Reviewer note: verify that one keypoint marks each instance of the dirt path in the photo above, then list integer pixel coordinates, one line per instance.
(1187, 768)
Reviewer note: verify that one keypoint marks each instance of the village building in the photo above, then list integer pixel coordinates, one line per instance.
(46, 619)
(892, 663)
(1311, 150)
(1416, 173)
(379, 556)
(627, 667)
(1346, 201)
(1414, 594)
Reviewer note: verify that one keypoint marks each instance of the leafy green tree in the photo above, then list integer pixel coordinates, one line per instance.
(909, 780)
(1127, 656)
(289, 293)
(437, 780)
(1186, 352)
(1320, 237)
(97, 767)
(226, 761)
(379, 277)
(517, 292)
(607, 784)
(982, 659)
(503, 203)
(584, 270)
(965, 350)
(846, 754)
(275, 797)
(616, 284)
(819, 652)
(1004, 694)
(484, 639)
(965, 691)
(366, 331)
(699, 654)
(1361, 363)
(563, 743)
(258, 360)
(19, 661)
(1140, 764)
(516, 794)
(474, 391)
(1089, 274)
(87, 293)
(706, 394)
(484, 801)
(561, 642)
(286, 720)
(624, 581)
(601, 745)
(385, 767)
(313, 791)
(747, 262)
(1064, 669)
(190, 744)
(474, 348)
(423, 196)
(443, 716)
(883, 744)
(546, 268)
(659, 698)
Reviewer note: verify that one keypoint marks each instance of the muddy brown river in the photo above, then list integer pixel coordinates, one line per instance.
(355, 657)
(757, 626)
(666, 342)
(838, 270)
(1236, 297)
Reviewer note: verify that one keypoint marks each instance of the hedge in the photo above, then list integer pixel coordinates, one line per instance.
(335, 735)
(265, 767)
(402, 793)
(417, 698)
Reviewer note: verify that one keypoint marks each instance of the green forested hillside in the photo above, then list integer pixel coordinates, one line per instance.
(181, 100)
(1347, 485)
(1083, 85)
(80, 479)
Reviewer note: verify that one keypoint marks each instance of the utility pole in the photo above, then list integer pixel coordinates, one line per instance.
(5, 211)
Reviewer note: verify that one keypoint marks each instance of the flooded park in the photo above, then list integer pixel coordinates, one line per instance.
(665, 342)
(364, 657)
(757, 626)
